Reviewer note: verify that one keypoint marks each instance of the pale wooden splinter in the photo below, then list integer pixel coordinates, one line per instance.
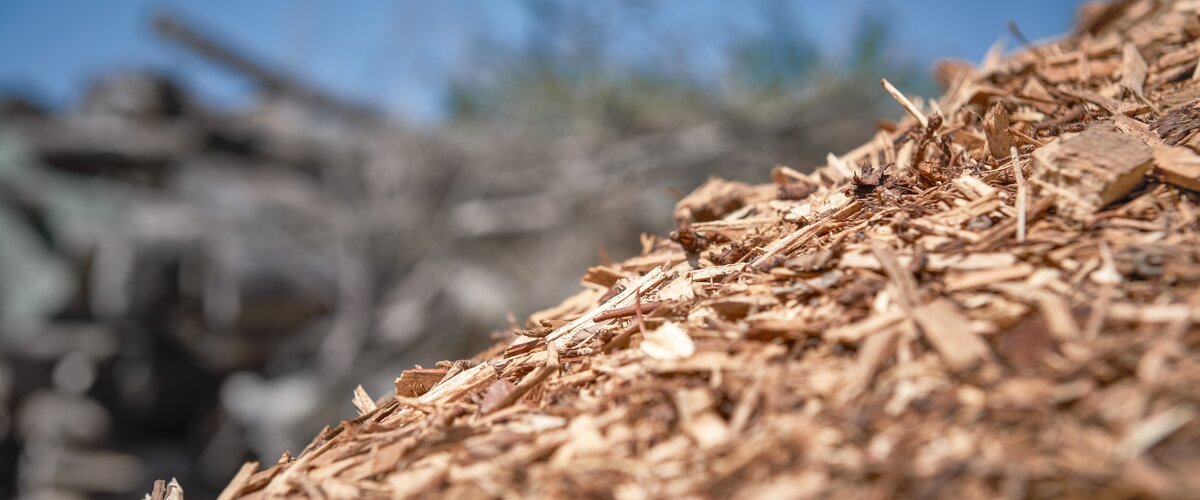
(907, 104)
(1016, 165)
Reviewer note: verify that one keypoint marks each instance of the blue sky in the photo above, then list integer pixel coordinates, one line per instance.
(400, 55)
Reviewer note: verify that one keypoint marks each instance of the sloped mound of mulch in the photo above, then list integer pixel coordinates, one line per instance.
(996, 297)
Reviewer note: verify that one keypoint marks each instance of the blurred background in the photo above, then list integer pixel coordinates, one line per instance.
(218, 217)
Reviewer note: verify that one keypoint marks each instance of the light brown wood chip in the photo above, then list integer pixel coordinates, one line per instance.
(949, 332)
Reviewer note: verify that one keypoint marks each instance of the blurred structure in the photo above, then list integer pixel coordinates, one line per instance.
(184, 288)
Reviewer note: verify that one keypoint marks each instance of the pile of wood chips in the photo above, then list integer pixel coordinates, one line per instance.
(999, 296)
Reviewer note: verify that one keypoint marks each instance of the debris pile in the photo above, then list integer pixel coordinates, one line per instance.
(997, 296)
(187, 284)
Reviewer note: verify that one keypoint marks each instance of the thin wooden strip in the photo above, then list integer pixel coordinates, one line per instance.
(708, 273)
(959, 281)
(466, 382)
(803, 234)
(627, 311)
(1000, 231)
(854, 332)
(643, 285)
(1021, 194)
(904, 102)
(735, 224)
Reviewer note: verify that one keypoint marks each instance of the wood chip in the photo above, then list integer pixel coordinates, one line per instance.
(362, 401)
(950, 334)
(668, 342)
(1133, 68)
(1091, 169)
(1179, 166)
(995, 128)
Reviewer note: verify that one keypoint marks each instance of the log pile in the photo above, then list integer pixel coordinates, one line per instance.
(998, 296)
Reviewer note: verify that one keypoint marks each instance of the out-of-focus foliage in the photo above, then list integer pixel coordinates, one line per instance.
(572, 72)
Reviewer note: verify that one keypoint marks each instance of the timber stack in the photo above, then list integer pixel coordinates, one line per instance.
(998, 296)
